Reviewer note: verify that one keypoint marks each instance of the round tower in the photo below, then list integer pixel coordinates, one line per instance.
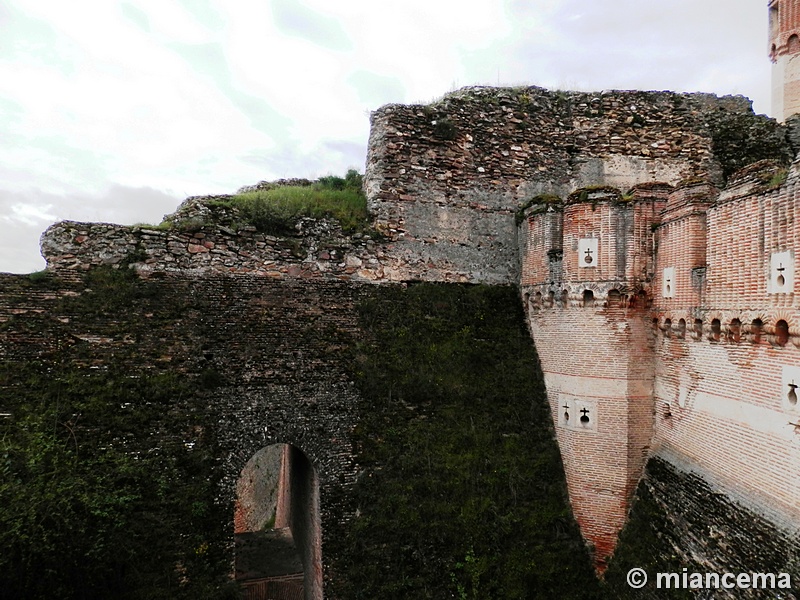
(784, 51)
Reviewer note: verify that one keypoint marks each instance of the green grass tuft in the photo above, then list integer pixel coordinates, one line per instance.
(277, 210)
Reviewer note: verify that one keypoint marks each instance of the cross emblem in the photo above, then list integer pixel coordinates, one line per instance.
(588, 258)
(584, 415)
(780, 270)
(566, 412)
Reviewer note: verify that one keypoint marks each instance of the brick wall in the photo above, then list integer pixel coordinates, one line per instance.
(721, 389)
(589, 364)
(689, 376)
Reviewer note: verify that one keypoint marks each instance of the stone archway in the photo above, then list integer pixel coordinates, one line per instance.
(277, 528)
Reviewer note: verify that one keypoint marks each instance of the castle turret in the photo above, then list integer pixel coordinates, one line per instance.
(784, 51)
(585, 275)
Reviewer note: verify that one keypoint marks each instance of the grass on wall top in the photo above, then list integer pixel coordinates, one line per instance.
(276, 210)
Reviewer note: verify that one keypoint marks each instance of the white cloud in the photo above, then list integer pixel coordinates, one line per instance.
(186, 97)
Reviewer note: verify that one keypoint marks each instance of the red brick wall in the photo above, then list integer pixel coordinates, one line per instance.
(787, 24)
(720, 404)
(599, 355)
(542, 235)
(715, 400)
(596, 356)
(732, 427)
(682, 245)
(742, 234)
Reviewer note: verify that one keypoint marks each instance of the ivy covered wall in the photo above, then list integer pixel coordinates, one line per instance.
(134, 404)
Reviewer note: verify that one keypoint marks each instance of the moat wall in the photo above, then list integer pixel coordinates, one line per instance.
(686, 302)
(388, 390)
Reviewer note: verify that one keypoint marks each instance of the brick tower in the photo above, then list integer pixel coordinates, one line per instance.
(784, 51)
(586, 268)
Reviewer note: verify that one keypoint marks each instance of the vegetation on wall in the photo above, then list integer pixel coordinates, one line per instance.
(643, 544)
(107, 475)
(542, 202)
(276, 209)
(742, 139)
(462, 493)
(110, 463)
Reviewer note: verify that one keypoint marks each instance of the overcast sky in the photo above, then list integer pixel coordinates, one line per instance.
(118, 110)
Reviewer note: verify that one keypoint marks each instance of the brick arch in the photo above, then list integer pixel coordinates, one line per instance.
(681, 327)
(666, 326)
(734, 328)
(793, 44)
(615, 298)
(783, 314)
(278, 526)
(279, 414)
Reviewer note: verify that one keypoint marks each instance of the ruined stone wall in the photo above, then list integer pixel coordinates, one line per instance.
(204, 239)
(264, 357)
(445, 179)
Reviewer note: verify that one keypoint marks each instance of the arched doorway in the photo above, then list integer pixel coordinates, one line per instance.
(277, 526)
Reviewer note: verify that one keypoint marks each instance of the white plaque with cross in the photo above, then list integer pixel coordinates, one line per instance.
(587, 252)
(790, 388)
(781, 270)
(668, 283)
(579, 414)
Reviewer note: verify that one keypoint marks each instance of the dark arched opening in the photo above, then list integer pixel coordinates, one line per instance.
(698, 329)
(781, 333)
(614, 299)
(756, 330)
(682, 328)
(277, 526)
(588, 298)
(716, 329)
(735, 330)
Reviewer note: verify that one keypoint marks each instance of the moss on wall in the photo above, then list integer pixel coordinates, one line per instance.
(461, 493)
(108, 474)
(679, 521)
(128, 397)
